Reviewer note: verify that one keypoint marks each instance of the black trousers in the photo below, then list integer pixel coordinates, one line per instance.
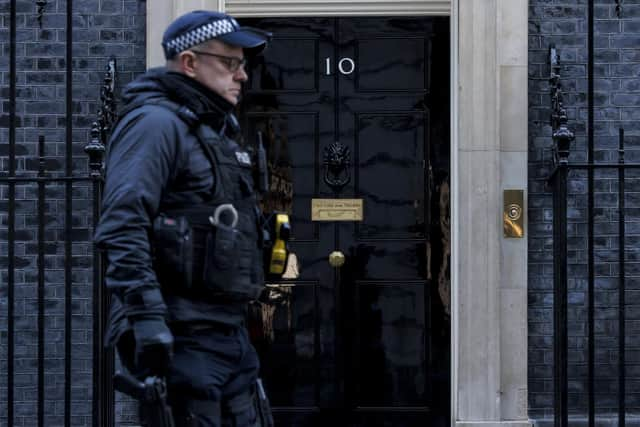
(212, 377)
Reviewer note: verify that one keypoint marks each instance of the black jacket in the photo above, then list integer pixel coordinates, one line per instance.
(154, 162)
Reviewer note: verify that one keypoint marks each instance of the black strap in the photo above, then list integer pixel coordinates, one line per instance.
(202, 131)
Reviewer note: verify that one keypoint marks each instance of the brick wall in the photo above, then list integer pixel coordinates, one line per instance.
(101, 28)
(617, 104)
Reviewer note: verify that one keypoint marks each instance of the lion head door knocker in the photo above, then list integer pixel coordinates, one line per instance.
(337, 162)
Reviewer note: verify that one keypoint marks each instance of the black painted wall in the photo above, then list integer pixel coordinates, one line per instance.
(616, 104)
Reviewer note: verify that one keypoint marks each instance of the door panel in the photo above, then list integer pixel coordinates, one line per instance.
(272, 75)
(390, 341)
(352, 345)
(391, 145)
(401, 68)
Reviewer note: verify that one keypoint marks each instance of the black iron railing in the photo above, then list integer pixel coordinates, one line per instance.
(42, 181)
(562, 138)
(103, 361)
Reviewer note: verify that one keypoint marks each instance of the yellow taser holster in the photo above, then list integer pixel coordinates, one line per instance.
(279, 251)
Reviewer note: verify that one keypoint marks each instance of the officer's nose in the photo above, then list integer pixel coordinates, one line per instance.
(241, 75)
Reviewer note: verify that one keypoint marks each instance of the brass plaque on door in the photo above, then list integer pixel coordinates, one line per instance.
(513, 213)
(336, 209)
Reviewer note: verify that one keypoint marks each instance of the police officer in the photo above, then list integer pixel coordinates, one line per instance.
(180, 225)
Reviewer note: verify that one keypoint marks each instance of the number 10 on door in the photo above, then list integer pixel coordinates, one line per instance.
(346, 66)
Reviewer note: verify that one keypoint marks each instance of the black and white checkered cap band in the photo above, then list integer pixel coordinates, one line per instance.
(199, 35)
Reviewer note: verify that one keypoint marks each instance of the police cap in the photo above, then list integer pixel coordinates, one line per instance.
(200, 26)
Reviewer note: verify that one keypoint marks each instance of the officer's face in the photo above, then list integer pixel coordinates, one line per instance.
(220, 67)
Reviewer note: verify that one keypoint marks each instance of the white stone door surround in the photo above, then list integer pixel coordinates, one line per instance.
(488, 155)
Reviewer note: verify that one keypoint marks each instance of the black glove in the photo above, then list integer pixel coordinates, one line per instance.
(146, 310)
(154, 344)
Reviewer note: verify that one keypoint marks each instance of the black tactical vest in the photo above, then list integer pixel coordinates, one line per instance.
(226, 260)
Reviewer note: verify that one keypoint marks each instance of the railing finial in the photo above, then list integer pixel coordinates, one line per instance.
(41, 5)
(619, 8)
(562, 135)
(102, 126)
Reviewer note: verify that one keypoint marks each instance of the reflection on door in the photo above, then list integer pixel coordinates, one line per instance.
(367, 343)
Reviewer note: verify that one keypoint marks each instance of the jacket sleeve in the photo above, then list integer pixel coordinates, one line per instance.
(141, 158)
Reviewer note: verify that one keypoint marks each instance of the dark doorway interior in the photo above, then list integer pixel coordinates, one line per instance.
(367, 343)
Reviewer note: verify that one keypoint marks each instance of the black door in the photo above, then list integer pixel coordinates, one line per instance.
(353, 345)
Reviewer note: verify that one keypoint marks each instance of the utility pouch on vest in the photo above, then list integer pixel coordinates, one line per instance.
(173, 250)
(221, 249)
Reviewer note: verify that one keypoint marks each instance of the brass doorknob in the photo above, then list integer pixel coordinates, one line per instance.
(336, 259)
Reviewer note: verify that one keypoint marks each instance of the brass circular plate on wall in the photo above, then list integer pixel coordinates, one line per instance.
(514, 211)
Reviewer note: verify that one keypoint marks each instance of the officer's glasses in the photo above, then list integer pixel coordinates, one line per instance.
(233, 63)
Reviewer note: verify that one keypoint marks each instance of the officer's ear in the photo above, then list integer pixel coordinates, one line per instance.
(186, 62)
